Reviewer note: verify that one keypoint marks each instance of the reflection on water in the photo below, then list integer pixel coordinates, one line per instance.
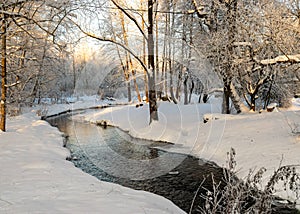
(116, 152)
(112, 155)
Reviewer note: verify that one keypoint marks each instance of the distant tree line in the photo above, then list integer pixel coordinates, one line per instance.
(177, 49)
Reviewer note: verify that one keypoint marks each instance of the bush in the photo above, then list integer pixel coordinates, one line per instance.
(250, 195)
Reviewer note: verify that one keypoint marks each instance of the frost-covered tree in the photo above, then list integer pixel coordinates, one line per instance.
(27, 29)
(147, 34)
(238, 36)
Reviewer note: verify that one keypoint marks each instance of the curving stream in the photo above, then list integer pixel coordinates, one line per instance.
(112, 155)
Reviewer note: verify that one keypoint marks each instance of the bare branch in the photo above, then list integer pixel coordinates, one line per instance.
(103, 39)
(131, 18)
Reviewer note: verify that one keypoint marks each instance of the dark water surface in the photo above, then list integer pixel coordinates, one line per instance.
(112, 155)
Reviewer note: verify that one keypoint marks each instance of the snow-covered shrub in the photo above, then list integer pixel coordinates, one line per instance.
(250, 195)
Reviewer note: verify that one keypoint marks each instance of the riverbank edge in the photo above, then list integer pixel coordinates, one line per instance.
(114, 125)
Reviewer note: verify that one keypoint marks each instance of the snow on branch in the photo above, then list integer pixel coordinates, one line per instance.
(14, 15)
(13, 84)
(213, 90)
(242, 44)
(282, 59)
(199, 10)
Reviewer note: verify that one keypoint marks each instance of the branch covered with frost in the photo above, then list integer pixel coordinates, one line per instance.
(250, 195)
(282, 59)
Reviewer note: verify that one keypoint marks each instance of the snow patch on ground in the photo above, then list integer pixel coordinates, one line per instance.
(36, 178)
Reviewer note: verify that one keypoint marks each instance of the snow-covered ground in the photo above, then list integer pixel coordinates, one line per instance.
(36, 178)
(73, 103)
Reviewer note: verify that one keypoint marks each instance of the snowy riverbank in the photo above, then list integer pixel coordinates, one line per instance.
(36, 178)
(260, 140)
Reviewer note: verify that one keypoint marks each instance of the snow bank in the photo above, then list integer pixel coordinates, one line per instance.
(73, 103)
(36, 178)
(260, 140)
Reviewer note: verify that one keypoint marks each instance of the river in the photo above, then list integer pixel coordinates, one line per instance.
(112, 155)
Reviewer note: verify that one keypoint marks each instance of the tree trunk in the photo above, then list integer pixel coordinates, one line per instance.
(231, 94)
(128, 90)
(144, 60)
(229, 90)
(146, 82)
(151, 66)
(252, 105)
(180, 73)
(156, 48)
(171, 82)
(226, 99)
(126, 75)
(136, 85)
(3, 76)
(123, 65)
(171, 57)
(268, 97)
(74, 72)
(128, 60)
(164, 64)
(35, 89)
(179, 80)
(235, 98)
(191, 91)
(19, 87)
(185, 88)
(172, 52)
(37, 84)
(129, 65)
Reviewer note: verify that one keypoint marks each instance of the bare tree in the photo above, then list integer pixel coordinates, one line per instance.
(151, 65)
(3, 73)
(149, 38)
(24, 17)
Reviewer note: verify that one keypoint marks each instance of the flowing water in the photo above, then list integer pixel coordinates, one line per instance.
(114, 156)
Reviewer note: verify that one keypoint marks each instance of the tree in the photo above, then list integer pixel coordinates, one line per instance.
(148, 36)
(3, 74)
(264, 33)
(151, 65)
(19, 18)
(127, 66)
(224, 53)
(253, 31)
